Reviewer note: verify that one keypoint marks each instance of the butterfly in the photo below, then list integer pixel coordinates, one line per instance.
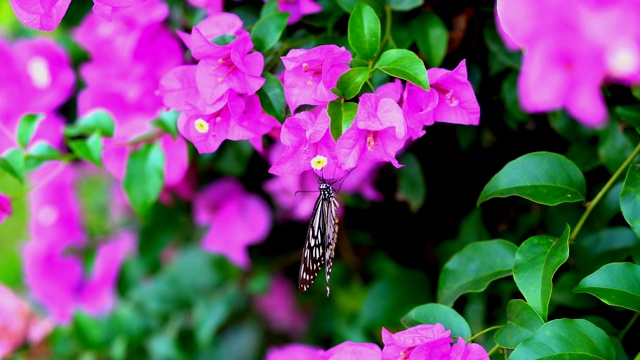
(322, 234)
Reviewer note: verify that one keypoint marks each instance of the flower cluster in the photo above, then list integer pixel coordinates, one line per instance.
(420, 342)
(571, 49)
(217, 96)
(123, 76)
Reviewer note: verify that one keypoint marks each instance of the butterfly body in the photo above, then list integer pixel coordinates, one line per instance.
(322, 234)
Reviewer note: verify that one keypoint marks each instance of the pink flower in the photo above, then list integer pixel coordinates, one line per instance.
(278, 307)
(215, 25)
(428, 342)
(18, 323)
(210, 6)
(54, 276)
(294, 351)
(298, 8)
(571, 48)
(5, 207)
(377, 134)
(236, 219)
(306, 135)
(310, 74)
(41, 15)
(290, 204)
(106, 8)
(346, 351)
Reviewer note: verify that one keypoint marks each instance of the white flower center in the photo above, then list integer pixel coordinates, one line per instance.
(623, 58)
(47, 215)
(38, 70)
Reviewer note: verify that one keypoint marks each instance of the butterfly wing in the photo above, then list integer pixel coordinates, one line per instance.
(331, 233)
(313, 253)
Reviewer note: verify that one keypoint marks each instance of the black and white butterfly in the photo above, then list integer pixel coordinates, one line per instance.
(320, 244)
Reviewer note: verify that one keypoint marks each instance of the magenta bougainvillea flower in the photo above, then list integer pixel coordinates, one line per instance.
(18, 323)
(235, 219)
(377, 134)
(306, 135)
(344, 351)
(298, 8)
(54, 276)
(428, 342)
(107, 8)
(290, 204)
(41, 15)
(451, 99)
(278, 307)
(566, 59)
(310, 74)
(5, 207)
(210, 6)
(215, 25)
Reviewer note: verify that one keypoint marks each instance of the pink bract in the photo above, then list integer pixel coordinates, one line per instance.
(5, 207)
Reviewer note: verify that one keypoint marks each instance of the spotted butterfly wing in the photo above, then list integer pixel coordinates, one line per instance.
(322, 234)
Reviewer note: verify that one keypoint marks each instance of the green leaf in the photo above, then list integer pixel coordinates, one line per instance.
(271, 96)
(168, 122)
(40, 153)
(522, 322)
(629, 114)
(537, 259)
(630, 198)
(474, 267)
(501, 57)
(89, 149)
(364, 31)
(613, 146)
(342, 114)
(351, 81)
(89, 331)
(267, 31)
(566, 339)
(608, 245)
(541, 177)
(404, 5)
(12, 162)
(438, 313)
(269, 7)
(97, 121)
(412, 187)
(27, 128)
(431, 36)
(144, 177)
(405, 65)
(616, 284)
(232, 158)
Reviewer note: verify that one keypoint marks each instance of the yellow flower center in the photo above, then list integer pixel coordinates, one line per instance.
(201, 126)
(38, 70)
(318, 162)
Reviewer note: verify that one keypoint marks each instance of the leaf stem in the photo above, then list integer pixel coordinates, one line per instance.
(623, 332)
(493, 350)
(486, 331)
(602, 192)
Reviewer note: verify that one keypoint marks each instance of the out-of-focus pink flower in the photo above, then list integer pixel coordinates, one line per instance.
(40, 14)
(377, 134)
(54, 276)
(310, 74)
(571, 48)
(106, 8)
(18, 323)
(236, 219)
(278, 307)
(298, 8)
(291, 204)
(294, 351)
(360, 181)
(352, 350)
(5, 207)
(428, 342)
(210, 6)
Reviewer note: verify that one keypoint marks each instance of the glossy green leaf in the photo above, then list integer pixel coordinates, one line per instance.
(537, 259)
(26, 129)
(364, 31)
(96, 121)
(12, 162)
(350, 5)
(566, 339)
(542, 177)
(404, 5)
(39, 153)
(271, 96)
(342, 114)
(412, 187)
(431, 36)
(474, 267)
(269, 7)
(89, 149)
(630, 198)
(438, 313)
(351, 81)
(405, 65)
(144, 177)
(522, 322)
(168, 122)
(608, 245)
(616, 284)
(267, 31)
